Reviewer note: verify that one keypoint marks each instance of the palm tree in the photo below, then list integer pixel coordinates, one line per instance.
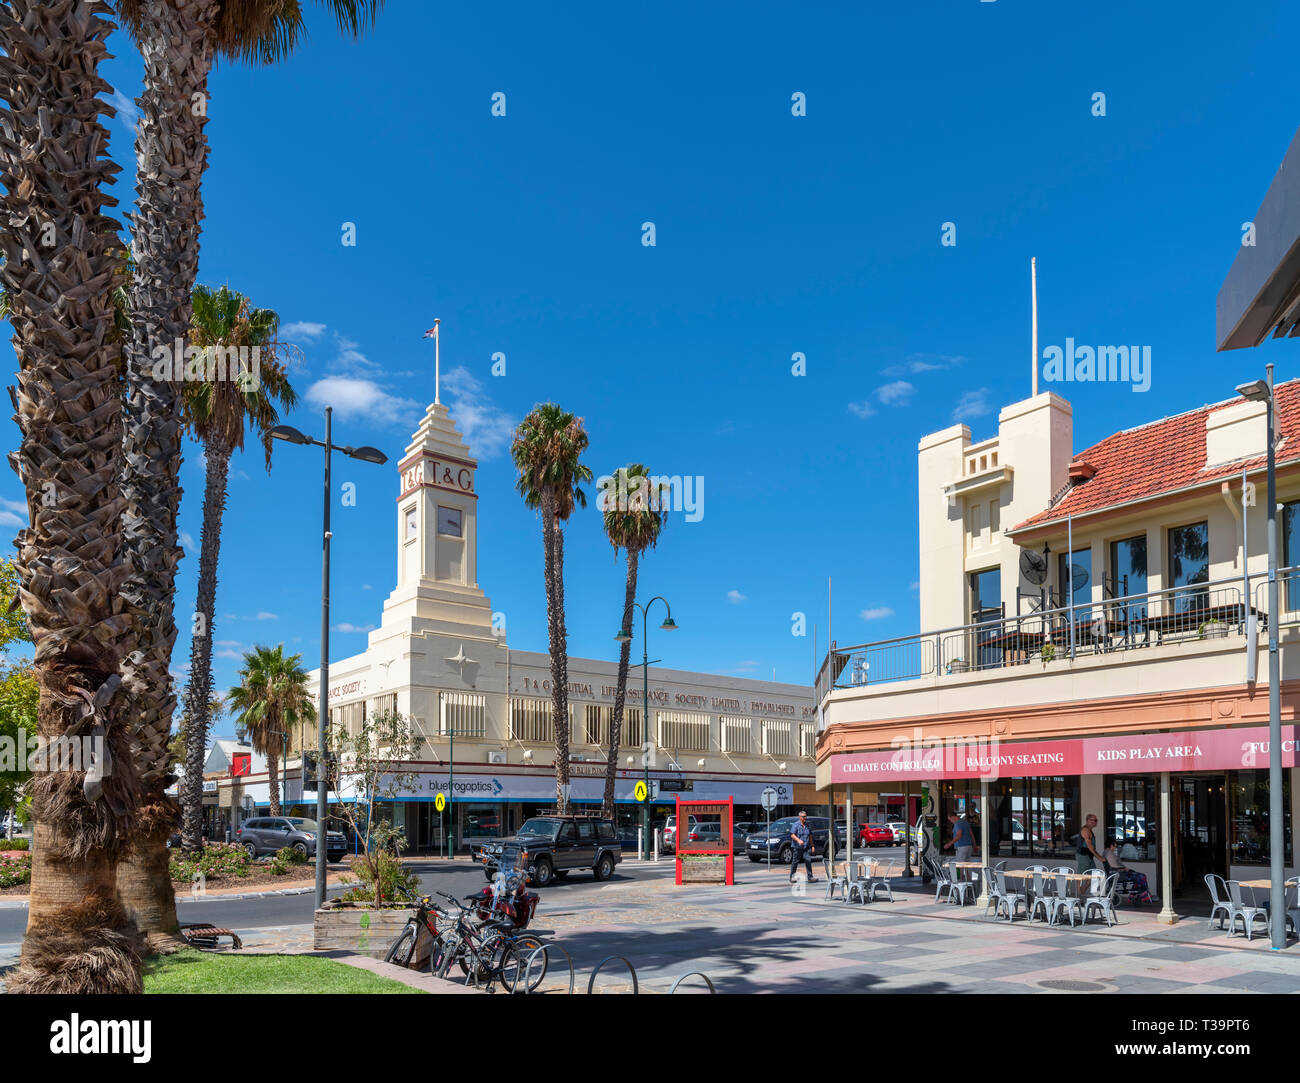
(218, 410)
(271, 696)
(59, 273)
(633, 520)
(546, 451)
(179, 40)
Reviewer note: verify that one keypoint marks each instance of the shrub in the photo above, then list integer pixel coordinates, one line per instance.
(396, 881)
(15, 844)
(285, 859)
(217, 861)
(16, 870)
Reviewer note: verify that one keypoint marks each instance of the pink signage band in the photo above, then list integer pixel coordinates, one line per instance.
(1194, 750)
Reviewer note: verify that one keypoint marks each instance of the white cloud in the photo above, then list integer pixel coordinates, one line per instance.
(352, 397)
(880, 612)
(896, 393)
(235, 655)
(487, 428)
(972, 404)
(13, 512)
(127, 113)
(862, 409)
(301, 329)
(187, 539)
(366, 586)
(267, 616)
(917, 363)
(735, 597)
(346, 627)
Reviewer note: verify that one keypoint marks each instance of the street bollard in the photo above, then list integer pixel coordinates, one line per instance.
(640, 849)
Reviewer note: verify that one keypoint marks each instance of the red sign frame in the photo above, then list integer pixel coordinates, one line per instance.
(726, 809)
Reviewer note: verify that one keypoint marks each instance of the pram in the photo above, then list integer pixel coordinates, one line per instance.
(1131, 889)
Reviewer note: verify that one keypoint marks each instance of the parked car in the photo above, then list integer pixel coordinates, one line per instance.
(556, 845)
(269, 834)
(670, 832)
(711, 833)
(899, 829)
(876, 835)
(776, 844)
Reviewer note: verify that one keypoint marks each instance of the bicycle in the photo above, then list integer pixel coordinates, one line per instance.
(486, 953)
(425, 917)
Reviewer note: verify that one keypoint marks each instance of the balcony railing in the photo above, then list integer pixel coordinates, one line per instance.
(1210, 610)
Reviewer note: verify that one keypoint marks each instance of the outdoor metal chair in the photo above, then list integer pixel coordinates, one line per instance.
(1220, 904)
(1066, 869)
(860, 885)
(1248, 914)
(992, 893)
(960, 886)
(1007, 899)
(942, 882)
(1043, 896)
(837, 877)
(881, 876)
(1292, 906)
(1063, 901)
(1103, 901)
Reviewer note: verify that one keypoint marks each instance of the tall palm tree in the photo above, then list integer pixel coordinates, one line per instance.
(546, 450)
(179, 40)
(218, 411)
(59, 273)
(271, 696)
(633, 519)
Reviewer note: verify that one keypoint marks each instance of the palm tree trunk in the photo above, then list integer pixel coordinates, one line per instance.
(553, 542)
(198, 697)
(272, 772)
(60, 267)
(171, 155)
(620, 690)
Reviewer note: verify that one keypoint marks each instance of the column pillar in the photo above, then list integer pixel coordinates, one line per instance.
(848, 821)
(1167, 828)
(985, 856)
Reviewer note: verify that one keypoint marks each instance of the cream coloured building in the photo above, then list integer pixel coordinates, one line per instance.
(438, 658)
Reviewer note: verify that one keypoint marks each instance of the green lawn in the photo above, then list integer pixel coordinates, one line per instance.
(192, 971)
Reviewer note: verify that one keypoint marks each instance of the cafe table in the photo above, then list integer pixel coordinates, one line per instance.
(1075, 878)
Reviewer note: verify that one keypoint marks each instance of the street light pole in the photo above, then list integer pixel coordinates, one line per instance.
(623, 636)
(1262, 391)
(364, 454)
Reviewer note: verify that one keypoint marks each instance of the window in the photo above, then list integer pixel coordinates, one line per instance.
(1034, 817)
(1248, 816)
(683, 731)
(1074, 570)
(598, 720)
(386, 704)
(777, 739)
(412, 517)
(530, 720)
(985, 605)
(449, 521)
(1130, 816)
(598, 726)
(466, 712)
(586, 833)
(1128, 566)
(566, 834)
(737, 734)
(1291, 552)
(807, 741)
(349, 716)
(1189, 564)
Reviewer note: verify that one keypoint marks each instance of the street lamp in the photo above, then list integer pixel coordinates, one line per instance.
(1262, 391)
(625, 636)
(365, 454)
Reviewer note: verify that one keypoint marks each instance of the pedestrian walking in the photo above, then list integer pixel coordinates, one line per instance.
(1087, 856)
(803, 848)
(962, 842)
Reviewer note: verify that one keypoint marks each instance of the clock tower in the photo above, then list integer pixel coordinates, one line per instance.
(437, 536)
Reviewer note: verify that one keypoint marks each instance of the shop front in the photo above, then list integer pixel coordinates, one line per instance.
(1176, 805)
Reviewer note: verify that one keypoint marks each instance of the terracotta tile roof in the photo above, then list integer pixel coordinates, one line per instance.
(1163, 457)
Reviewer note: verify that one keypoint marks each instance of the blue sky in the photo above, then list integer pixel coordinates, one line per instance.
(775, 234)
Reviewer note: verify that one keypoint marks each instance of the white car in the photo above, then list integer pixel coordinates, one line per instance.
(670, 833)
(899, 829)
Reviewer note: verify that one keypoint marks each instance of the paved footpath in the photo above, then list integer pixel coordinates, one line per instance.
(762, 935)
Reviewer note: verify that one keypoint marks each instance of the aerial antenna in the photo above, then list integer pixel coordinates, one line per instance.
(1033, 292)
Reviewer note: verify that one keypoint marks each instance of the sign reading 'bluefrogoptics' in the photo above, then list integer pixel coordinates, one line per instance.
(541, 787)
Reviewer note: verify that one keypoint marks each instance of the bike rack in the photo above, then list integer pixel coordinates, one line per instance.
(631, 970)
(692, 974)
(528, 969)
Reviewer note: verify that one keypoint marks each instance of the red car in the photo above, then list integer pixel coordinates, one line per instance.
(876, 835)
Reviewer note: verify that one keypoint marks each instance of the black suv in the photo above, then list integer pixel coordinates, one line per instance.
(555, 845)
(267, 834)
(775, 845)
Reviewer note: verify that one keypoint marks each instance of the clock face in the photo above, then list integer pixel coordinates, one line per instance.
(449, 521)
(411, 518)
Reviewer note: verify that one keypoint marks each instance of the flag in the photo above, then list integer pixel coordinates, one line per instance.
(432, 332)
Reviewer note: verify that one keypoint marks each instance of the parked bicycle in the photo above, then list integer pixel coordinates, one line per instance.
(488, 952)
(427, 916)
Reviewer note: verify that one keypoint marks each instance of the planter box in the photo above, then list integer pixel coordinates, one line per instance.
(704, 870)
(355, 928)
(1215, 630)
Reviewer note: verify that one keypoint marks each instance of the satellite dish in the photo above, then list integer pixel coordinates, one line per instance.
(1033, 566)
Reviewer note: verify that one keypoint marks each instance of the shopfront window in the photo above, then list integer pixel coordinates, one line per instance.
(1034, 817)
(1131, 816)
(961, 798)
(1248, 814)
(1291, 552)
(1189, 565)
(1074, 571)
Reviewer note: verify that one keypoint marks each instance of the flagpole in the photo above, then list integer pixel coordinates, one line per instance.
(1033, 290)
(437, 367)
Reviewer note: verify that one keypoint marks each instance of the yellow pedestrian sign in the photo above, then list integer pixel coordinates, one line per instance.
(440, 802)
(639, 793)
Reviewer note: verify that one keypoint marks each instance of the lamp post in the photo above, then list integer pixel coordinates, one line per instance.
(366, 455)
(1262, 391)
(624, 636)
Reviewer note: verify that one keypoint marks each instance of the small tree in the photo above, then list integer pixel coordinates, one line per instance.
(372, 766)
